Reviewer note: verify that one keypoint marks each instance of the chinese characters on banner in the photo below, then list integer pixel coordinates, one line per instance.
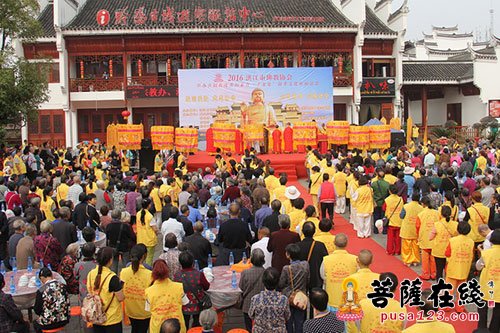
(469, 292)
(162, 137)
(186, 139)
(125, 136)
(384, 87)
(169, 15)
(255, 96)
(139, 91)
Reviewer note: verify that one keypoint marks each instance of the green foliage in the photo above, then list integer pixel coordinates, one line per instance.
(23, 87)
(441, 132)
(18, 20)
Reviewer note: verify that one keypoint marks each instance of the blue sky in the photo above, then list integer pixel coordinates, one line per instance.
(470, 15)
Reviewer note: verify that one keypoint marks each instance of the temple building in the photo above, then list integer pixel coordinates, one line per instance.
(448, 76)
(107, 56)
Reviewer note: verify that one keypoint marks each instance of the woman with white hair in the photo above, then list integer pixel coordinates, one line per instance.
(47, 247)
(208, 319)
(66, 269)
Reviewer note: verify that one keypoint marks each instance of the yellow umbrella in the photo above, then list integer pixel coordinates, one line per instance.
(409, 130)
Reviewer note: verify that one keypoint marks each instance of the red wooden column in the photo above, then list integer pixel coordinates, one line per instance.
(406, 105)
(424, 112)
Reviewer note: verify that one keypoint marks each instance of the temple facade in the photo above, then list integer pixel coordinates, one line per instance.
(107, 56)
(448, 76)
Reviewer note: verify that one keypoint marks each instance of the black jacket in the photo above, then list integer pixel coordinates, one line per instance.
(127, 236)
(84, 212)
(315, 261)
(200, 248)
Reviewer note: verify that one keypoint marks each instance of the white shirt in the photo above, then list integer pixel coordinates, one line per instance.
(262, 244)
(487, 244)
(74, 193)
(172, 226)
(429, 159)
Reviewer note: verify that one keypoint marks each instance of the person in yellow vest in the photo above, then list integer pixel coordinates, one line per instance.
(157, 200)
(410, 252)
(136, 279)
(147, 230)
(47, 204)
(101, 280)
(363, 198)
(352, 186)
(164, 298)
(166, 189)
(476, 215)
(371, 321)
(19, 166)
(335, 268)
(325, 236)
(393, 205)
(440, 235)
(489, 265)
(125, 163)
(426, 324)
(272, 182)
(297, 215)
(279, 193)
(62, 189)
(329, 169)
(459, 254)
(450, 202)
(311, 216)
(364, 276)
(482, 161)
(340, 184)
(315, 183)
(158, 165)
(425, 223)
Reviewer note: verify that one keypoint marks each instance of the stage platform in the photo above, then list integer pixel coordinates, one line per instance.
(291, 164)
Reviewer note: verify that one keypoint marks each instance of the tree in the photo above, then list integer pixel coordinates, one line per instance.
(23, 84)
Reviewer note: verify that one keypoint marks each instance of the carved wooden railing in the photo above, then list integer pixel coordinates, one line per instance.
(85, 85)
(342, 80)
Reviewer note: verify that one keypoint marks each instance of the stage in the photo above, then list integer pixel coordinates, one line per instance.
(291, 164)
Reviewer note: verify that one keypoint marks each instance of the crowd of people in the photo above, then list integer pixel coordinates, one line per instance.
(438, 205)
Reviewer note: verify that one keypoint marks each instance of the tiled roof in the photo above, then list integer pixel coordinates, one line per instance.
(380, 3)
(452, 28)
(374, 25)
(490, 50)
(437, 71)
(455, 35)
(403, 8)
(210, 14)
(46, 19)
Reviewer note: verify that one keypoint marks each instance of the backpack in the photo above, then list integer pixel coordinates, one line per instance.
(93, 311)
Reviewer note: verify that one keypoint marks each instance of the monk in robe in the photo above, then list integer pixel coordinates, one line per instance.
(210, 140)
(277, 140)
(322, 139)
(288, 138)
(238, 142)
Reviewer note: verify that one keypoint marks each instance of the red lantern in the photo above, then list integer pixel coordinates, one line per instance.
(110, 68)
(169, 67)
(285, 62)
(228, 63)
(313, 62)
(341, 64)
(256, 62)
(198, 62)
(125, 114)
(139, 67)
(82, 70)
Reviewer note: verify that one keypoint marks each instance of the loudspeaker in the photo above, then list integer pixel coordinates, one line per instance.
(146, 144)
(147, 160)
(398, 139)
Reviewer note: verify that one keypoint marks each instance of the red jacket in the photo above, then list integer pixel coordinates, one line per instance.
(327, 192)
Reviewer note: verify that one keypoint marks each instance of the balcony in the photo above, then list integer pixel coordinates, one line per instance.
(90, 85)
(153, 81)
(342, 80)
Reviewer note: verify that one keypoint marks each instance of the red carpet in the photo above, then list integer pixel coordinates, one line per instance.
(382, 262)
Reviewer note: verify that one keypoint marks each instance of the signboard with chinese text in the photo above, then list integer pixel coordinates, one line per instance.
(135, 92)
(378, 87)
(250, 96)
(494, 108)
